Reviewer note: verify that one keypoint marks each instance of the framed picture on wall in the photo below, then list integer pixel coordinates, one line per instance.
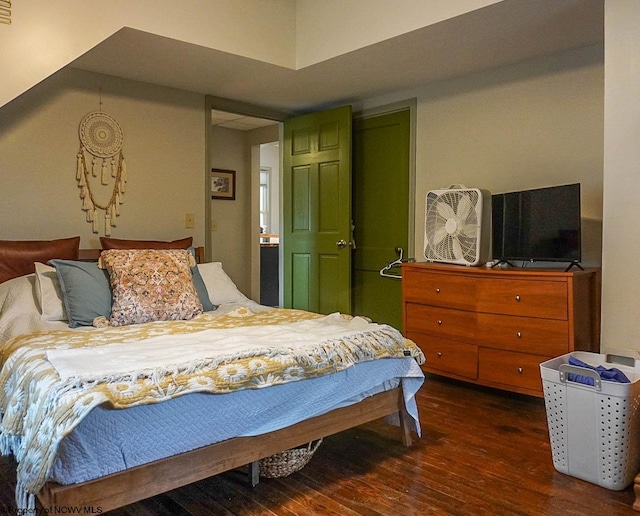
(223, 184)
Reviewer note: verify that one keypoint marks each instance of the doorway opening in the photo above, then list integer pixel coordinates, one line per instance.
(243, 233)
(269, 210)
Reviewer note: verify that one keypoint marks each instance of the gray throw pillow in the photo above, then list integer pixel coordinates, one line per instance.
(86, 291)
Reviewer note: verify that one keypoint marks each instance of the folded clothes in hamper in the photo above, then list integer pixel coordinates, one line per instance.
(613, 374)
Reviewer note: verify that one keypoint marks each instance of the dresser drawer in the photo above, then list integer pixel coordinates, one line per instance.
(441, 322)
(439, 289)
(548, 337)
(447, 356)
(530, 298)
(511, 369)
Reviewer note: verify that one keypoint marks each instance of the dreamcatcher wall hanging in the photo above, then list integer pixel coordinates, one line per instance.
(100, 156)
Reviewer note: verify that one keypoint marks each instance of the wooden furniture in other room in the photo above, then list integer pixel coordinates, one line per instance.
(494, 327)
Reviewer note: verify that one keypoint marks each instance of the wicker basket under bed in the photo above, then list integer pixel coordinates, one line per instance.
(286, 462)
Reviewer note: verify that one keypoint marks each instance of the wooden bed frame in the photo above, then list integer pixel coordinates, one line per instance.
(138, 483)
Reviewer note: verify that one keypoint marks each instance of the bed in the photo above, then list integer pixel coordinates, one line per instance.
(104, 409)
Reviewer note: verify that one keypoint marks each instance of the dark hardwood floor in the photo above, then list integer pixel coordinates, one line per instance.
(482, 452)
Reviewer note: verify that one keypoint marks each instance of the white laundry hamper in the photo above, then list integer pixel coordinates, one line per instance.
(594, 431)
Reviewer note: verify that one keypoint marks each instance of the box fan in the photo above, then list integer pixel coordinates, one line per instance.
(457, 226)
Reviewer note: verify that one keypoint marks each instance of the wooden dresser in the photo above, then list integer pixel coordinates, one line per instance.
(495, 326)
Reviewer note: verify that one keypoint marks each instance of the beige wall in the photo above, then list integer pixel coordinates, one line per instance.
(516, 128)
(45, 36)
(357, 23)
(537, 123)
(163, 149)
(230, 220)
(621, 274)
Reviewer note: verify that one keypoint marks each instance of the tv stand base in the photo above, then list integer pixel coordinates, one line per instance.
(499, 262)
(574, 263)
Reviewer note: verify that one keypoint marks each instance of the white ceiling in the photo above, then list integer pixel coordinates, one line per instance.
(501, 34)
(237, 122)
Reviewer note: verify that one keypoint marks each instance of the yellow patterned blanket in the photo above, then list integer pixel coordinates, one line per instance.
(44, 395)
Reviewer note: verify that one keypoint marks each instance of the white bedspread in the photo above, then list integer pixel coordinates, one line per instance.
(167, 351)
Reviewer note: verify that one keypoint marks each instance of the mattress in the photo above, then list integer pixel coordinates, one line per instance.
(110, 440)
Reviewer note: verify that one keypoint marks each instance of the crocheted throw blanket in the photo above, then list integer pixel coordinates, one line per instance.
(52, 380)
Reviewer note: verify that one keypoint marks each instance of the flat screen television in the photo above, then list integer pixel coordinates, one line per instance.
(542, 224)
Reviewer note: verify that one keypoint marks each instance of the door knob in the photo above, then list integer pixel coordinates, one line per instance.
(341, 243)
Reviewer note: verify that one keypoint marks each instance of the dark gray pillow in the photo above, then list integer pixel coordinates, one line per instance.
(201, 289)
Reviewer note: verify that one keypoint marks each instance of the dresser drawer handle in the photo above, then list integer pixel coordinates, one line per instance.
(520, 370)
(437, 291)
(439, 322)
(439, 354)
(518, 299)
(519, 335)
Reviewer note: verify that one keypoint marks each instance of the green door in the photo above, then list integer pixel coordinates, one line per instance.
(380, 211)
(316, 230)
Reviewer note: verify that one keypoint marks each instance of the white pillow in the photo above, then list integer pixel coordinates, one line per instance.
(49, 293)
(220, 287)
(19, 313)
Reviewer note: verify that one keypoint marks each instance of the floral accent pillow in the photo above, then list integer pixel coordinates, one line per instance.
(150, 285)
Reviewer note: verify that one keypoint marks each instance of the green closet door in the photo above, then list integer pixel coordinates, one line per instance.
(380, 186)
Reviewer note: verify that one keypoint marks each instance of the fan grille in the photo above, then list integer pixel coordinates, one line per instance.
(452, 226)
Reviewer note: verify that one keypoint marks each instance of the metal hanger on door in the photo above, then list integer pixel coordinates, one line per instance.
(384, 272)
